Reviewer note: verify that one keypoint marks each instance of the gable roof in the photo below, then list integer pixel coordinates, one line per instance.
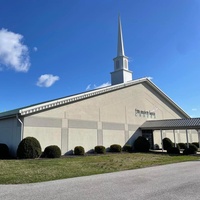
(81, 96)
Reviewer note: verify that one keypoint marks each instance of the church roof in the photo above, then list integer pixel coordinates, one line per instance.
(172, 124)
(89, 94)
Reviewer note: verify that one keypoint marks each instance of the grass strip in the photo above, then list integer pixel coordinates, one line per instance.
(39, 170)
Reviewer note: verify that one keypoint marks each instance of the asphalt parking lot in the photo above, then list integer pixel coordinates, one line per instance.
(174, 181)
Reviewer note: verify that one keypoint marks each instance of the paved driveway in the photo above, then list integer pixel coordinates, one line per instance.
(169, 182)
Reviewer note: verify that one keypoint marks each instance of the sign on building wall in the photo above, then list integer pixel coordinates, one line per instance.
(145, 113)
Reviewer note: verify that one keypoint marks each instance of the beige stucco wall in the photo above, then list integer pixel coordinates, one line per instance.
(46, 136)
(113, 137)
(101, 120)
(82, 137)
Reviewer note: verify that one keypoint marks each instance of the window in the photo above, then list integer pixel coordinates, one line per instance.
(125, 64)
(117, 64)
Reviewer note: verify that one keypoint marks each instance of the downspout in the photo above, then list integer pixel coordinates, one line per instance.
(22, 126)
(198, 131)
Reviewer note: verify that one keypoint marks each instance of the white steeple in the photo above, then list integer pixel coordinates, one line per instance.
(121, 72)
(120, 47)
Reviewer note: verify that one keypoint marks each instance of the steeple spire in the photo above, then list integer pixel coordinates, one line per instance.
(120, 47)
(121, 72)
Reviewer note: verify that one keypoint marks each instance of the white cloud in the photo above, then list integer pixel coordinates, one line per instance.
(35, 49)
(102, 85)
(150, 78)
(194, 109)
(47, 80)
(13, 53)
(90, 87)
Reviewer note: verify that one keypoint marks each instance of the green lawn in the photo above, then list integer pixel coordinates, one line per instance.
(38, 170)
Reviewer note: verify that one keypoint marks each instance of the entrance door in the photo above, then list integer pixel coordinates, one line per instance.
(148, 134)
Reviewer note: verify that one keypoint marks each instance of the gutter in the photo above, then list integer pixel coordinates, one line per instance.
(22, 126)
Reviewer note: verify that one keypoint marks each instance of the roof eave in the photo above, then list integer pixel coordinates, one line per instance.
(171, 128)
(77, 97)
(9, 114)
(168, 98)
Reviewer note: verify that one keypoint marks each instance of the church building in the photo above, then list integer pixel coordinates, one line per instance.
(115, 114)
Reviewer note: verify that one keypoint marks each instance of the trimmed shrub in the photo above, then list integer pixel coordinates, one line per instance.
(141, 144)
(127, 148)
(173, 150)
(29, 147)
(167, 143)
(176, 145)
(189, 151)
(192, 146)
(100, 149)
(52, 151)
(196, 144)
(182, 145)
(79, 150)
(156, 147)
(4, 151)
(115, 148)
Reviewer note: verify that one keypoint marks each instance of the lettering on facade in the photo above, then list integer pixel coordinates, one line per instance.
(145, 113)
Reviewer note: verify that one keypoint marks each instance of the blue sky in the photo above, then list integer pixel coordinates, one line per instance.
(55, 48)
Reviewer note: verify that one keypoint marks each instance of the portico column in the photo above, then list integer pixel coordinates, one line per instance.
(187, 138)
(161, 139)
(198, 131)
(174, 138)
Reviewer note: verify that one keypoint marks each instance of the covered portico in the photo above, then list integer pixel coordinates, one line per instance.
(173, 124)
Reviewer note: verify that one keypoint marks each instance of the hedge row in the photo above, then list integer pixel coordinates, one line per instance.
(171, 149)
(79, 150)
(141, 144)
(187, 151)
(30, 147)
